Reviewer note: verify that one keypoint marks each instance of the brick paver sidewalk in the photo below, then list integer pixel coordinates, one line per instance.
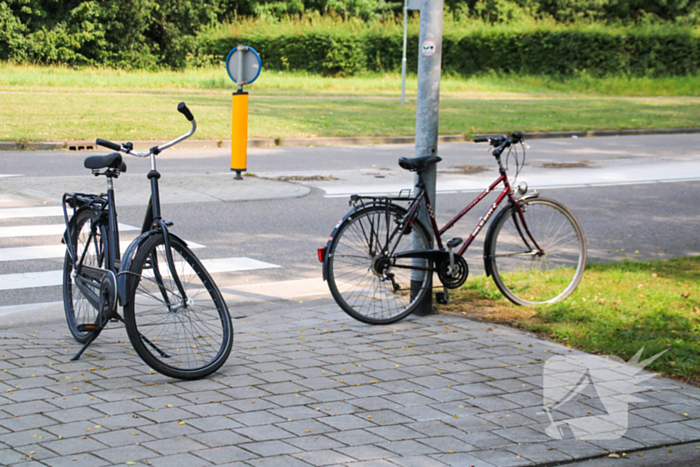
(307, 385)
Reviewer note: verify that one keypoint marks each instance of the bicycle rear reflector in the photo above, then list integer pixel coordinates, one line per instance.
(322, 254)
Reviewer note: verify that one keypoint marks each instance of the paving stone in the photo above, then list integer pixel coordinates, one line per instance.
(263, 433)
(315, 443)
(190, 460)
(306, 427)
(346, 422)
(354, 437)
(464, 459)
(676, 430)
(422, 413)
(395, 432)
(445, 444)
(576, 448)
(220, 438)
(410, 448)
(70, 446)
(659, 415)
(300, 412)
(501, 458)
(209, 410)
(123, 437)
(523, 434)
(171, 446)
(260, 417)
(28, 408)
(325, 457)
(281, 461)
(367, 452)
(214, 423)
(373, 463)
(416, 461)
(27, 422)
(270, 448)
(225, 454)
(78, 460)
(540, 453)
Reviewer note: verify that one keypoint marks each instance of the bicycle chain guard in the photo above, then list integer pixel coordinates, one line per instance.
(453, 279)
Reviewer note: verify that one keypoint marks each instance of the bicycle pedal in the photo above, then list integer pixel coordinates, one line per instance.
(86, 327)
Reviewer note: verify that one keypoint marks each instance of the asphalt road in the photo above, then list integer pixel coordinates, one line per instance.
(637, 221)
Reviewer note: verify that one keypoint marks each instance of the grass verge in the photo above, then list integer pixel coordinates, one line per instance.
(617, 309)
(80, 114)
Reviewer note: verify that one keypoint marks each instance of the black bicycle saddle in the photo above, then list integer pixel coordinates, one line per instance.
(112, 161)
(418, 164)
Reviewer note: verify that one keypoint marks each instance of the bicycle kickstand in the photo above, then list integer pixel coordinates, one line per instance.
(91, 339)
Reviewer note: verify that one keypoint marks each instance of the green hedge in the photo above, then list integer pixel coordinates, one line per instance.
(598, 51)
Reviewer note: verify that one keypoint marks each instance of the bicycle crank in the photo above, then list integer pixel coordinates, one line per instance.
(453, 276)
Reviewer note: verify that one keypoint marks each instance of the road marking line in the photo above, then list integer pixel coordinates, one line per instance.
(51, 251)
(32, 280)
(39, 230)
(42, 211)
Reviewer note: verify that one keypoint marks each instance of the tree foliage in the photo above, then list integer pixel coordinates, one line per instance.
(150, 33)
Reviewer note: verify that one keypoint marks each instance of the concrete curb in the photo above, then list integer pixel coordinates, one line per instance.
(80, 145)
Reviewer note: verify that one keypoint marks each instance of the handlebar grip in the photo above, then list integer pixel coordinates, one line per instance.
(108, 144)
(482, 139)
(182, 108)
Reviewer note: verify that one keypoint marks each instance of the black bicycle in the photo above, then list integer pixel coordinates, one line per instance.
(174, 314)
(378, 260)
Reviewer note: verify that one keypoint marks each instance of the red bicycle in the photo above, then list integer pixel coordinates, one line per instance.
(378, 261)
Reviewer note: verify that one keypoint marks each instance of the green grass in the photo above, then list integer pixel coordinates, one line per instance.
(212, 79)
(617, 309)
(59, 103)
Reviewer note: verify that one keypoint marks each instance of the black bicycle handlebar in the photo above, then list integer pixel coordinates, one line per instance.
(108, 144)
(482, 139)
(182, 108)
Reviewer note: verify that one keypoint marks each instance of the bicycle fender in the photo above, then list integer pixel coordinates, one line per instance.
(347, 218)
(489, 233)
(128, 257)
(489, 238)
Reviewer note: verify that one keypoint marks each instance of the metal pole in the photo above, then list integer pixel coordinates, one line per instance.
(403, 60)
(428, 106)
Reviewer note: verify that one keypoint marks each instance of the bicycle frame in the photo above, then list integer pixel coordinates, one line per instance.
(438, 232)
(116, 268)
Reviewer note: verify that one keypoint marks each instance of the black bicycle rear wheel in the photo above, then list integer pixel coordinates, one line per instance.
(90, 246)
(368, 283)
(181, 338)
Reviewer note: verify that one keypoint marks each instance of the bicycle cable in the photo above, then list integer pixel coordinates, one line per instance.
(518, 163)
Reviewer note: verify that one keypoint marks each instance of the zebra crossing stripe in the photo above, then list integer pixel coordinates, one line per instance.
(32, 280)
(41, 211)
(51, 251)
(39, 230)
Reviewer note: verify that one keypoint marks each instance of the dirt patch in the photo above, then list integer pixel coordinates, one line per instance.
(567, 165)
(465, 169)
(301, 178)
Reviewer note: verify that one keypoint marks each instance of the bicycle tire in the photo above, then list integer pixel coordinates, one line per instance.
(523, 277)
(353, 258)
(181, 340)
(77, 308)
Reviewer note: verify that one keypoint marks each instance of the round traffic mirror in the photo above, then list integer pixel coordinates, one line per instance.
(243, 65)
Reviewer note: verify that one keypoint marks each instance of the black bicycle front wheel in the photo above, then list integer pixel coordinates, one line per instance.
(181, 337)
(89, 246)
(525, 274)
(368, 282)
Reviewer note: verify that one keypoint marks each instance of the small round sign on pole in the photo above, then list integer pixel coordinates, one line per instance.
(243, 66)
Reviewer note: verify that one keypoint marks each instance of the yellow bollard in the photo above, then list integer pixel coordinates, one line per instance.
(239, 133)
